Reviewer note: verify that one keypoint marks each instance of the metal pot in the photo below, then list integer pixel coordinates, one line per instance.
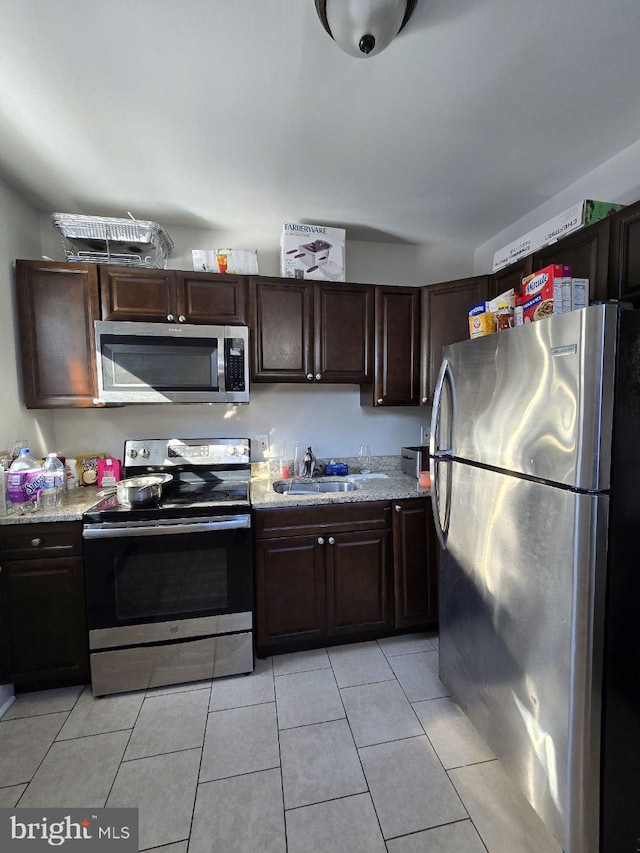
(138, 490)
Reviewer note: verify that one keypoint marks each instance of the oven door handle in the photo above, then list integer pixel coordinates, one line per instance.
(232, 522)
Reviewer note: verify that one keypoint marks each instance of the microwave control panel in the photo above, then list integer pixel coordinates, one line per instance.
(234, 364)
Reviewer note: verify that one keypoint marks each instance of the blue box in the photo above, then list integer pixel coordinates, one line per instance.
(338, 469)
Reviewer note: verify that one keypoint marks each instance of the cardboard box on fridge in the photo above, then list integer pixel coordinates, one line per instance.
(312, 251)
(542, 293)
(583, 213)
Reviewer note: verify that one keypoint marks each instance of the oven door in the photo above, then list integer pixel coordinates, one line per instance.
(167, 580)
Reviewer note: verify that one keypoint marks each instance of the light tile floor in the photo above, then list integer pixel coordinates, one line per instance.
(355, 749)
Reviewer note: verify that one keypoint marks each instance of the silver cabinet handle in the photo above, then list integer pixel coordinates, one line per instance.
(182, 318)
(170, 318)
(318, 376)
(380, 399)
(320, 540)
(398, 508)
(36, 542)
(309, 376)
(332, 541)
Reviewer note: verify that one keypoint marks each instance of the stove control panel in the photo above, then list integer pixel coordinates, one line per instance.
(227, 452)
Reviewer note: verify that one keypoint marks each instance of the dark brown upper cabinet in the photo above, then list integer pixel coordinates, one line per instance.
(624, 256)
(343, 332)
(57, 306)
(305, 331)
(586, 251)
(445, 321)
(167, 296)
(281, 323)
(396, 349)
(511, 276)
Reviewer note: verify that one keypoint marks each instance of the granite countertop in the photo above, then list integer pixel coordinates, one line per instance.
(74, 503)
(396, 486)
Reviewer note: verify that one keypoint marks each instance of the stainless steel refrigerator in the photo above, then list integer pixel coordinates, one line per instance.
(535, 465)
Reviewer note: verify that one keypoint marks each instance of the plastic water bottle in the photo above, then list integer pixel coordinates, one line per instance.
(53, 485)
(24, 483)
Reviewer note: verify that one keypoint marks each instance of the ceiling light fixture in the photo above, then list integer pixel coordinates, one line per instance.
(364, 27)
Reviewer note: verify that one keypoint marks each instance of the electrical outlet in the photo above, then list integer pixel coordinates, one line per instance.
(263, 442)
(424, 435)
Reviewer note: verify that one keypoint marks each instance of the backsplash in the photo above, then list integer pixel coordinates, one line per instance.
(379, 464)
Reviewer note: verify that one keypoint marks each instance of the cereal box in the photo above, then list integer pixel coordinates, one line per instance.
(579, 293)
(542, 293)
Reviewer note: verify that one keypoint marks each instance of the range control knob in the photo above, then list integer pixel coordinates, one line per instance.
(132, 453)
(144, 453)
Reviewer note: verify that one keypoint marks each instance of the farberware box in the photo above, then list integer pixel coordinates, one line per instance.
(312, 251)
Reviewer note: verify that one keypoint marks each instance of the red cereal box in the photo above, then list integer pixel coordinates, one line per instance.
(542, 293)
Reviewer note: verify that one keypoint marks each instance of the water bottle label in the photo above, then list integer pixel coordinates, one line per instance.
(24, 486)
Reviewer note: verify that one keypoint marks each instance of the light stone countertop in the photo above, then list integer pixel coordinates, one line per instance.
(74, 503)
(396, 487)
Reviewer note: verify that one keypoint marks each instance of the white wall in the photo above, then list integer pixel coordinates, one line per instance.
(367, 262)
(327, 417)
(617, 180)
(19, 238)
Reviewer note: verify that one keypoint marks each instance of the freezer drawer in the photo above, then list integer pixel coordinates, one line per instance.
(521, 632)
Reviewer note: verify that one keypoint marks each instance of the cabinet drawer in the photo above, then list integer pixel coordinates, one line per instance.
(313, 520)
(53, 539)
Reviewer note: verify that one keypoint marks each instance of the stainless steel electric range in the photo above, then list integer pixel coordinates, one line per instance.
(170, 585)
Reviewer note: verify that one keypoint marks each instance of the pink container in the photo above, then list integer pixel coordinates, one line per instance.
(108, 472)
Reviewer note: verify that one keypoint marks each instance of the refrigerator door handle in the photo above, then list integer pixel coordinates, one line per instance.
(438, 456)
(442, 528)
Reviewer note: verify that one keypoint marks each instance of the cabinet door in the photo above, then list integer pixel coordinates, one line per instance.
(359, 583)
(290, 591)
(211, 298)
(281, 330)
(624, 279)
(57, 306)
(46, 623)
(587, 252)
(396, 379)
(148, 296)
(511, 276)
(343, 322)
(445, 309)
(415, 575)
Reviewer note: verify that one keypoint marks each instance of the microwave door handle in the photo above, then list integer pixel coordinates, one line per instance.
(222, 385)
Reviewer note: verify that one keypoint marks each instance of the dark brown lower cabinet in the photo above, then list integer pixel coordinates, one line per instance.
(290, 591)
(359, 583)
(329, 574)
(415, 561)
(43, 608)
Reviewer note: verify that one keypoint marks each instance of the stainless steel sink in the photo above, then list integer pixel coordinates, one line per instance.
(286, 487)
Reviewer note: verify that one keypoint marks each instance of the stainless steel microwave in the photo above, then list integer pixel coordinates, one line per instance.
(162, 363)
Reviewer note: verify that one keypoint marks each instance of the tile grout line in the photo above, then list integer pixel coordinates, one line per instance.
(122, 758)
(195, 794)
(366, 781)
(440, 760)
(43, 757)
(284, 808)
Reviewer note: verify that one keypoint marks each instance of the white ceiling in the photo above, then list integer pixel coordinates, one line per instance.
(241, 114)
